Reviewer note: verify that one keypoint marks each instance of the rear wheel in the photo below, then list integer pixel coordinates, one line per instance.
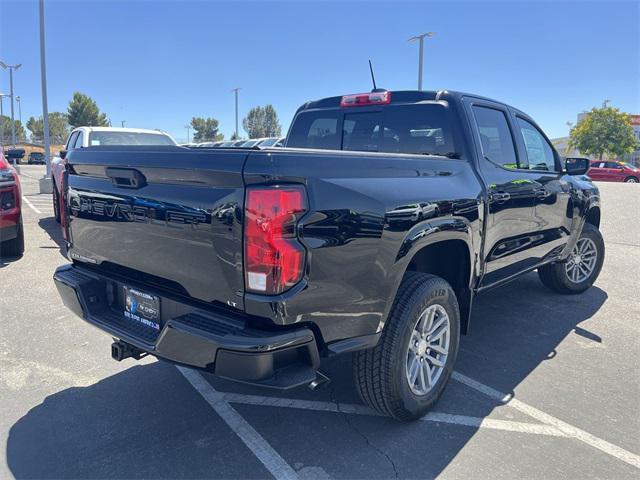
(56, 204)
(405, 374)
(580, 270)
(631, 180)
(15, 246)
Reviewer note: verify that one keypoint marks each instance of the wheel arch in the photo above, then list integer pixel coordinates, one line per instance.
(445, 252)
(593, 216)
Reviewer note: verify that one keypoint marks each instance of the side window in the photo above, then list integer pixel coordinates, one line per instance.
(539, 152)
(79, 140)
(361, 132)
(613, 165)
(72, 140)
(495, 136)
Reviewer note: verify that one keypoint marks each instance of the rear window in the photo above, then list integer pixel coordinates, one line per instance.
(128, 138)
(315, 129)
(416, 129)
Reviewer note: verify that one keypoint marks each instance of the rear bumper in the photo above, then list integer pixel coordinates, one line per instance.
(215, 341)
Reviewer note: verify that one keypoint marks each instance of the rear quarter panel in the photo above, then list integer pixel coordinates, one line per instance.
(368, 215)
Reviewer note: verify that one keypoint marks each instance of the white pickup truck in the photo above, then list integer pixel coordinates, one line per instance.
(83, 137)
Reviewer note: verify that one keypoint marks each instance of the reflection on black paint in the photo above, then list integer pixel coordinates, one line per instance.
(126, 208)
(339, 227)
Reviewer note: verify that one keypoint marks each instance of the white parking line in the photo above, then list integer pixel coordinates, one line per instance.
(31, 205)
(272, 461)
(46, 200)
(551, 425)
(565, 428)
(508, 425)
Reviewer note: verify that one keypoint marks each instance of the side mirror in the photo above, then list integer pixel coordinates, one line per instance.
(576, 166)
(62, 154)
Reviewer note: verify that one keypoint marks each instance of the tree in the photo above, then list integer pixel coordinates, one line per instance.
(58, 128)
(602, 131)
(84, 112)
(205, 130)
(262, 122)
(5, 130)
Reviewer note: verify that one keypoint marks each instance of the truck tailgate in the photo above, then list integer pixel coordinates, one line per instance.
(165, 216)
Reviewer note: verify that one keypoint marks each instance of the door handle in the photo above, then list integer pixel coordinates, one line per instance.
(126, 177)
(500, 197)
(542, 193)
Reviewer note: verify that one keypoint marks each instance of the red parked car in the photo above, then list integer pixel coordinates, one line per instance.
(11, 232)
(614, 171)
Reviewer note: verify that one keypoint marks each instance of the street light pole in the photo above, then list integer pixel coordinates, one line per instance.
(122, 122)
(421, 38)
(188, 127)
(236, 90)
(13, 122)
(2, 95)
(46, 186)
(19, 109)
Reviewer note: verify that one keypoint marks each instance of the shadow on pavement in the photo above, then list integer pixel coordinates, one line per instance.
(54, 230)
(4, 261)
(145, 422)
(148, 422)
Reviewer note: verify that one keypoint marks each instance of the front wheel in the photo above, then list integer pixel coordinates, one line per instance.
(631, 180)
(405, 374)
(580, 270)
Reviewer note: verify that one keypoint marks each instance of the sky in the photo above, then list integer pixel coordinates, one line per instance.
(158, 64)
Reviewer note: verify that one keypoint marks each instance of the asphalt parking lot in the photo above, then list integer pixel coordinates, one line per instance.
(546, 386)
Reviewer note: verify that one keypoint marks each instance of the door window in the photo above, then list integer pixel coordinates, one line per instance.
(539, 153)
(495, 137)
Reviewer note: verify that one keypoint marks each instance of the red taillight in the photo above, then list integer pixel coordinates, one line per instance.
(362, 99)
(273, 258)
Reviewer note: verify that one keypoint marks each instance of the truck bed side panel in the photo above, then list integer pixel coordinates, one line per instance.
(369, 213)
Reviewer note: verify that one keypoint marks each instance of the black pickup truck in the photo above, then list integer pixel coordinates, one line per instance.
(371, 233)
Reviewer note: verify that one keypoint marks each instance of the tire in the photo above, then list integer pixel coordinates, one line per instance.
(56, 203)
(15, 246)
(556, 277)
(380, 373)
(631, 180)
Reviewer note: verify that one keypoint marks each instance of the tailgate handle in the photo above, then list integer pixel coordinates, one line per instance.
(126, 177)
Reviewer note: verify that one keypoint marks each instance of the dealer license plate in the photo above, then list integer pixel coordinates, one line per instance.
(142, 307)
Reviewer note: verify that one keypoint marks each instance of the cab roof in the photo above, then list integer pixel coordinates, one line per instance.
(404, 97)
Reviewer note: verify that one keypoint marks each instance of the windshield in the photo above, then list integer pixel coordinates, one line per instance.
(423, 129)
(128, 138)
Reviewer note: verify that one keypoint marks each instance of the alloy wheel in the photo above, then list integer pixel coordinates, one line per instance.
(582, 260)
(428, 349)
